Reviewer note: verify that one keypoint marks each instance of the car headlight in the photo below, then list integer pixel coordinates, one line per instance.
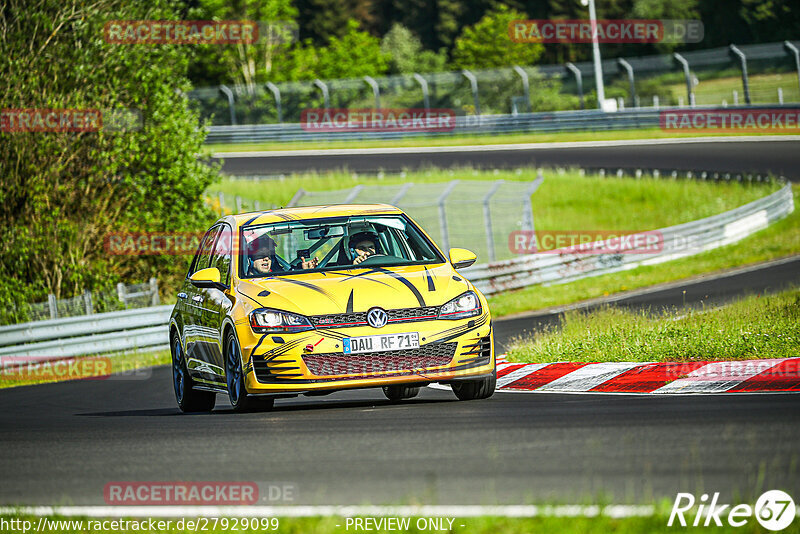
(276, 321)
(465, 305)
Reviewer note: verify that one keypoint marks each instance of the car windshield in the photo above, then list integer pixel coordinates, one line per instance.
(333, 244)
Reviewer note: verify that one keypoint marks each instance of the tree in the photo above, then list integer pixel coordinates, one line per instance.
(407, 55)
(487, 44)
(62, 193)
(248, 64)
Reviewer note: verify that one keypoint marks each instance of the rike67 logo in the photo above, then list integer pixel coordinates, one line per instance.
(774, 510)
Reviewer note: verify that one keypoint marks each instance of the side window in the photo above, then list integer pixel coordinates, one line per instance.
(221, 257)
(204, 252)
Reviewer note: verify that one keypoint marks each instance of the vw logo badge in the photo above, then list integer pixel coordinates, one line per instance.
(377, 317)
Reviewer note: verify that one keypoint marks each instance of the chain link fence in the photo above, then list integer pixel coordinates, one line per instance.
(703, 77)
(450, 211)
(86, 303)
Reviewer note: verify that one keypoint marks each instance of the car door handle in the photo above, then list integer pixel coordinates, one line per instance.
(197, 298)
(182, 295)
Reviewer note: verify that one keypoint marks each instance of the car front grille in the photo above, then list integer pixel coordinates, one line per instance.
(368, 364)
(404, 315)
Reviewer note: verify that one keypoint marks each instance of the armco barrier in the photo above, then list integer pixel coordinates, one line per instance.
(146, 328)
(141, 328)
(556, 121)
(679, 241)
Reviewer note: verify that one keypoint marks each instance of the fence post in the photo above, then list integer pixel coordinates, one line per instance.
(353, 193)
(423, 83)
(53, 305)
(443, 216)
(525, 85)
(400, 194)
(221, 203)
(527, 214)
(578, 80)
(473, 82)
(224, 89)
(238, 200)
(792, 49)
(376, 91)
(296, 198)
(121, 294)
(87, 302)
(325, 94)
(629, 69)
(277, 94)
(154, 298)
(745, 80)
(686, 74)
(487, 218)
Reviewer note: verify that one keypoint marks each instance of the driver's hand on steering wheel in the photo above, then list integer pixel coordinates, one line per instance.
(310, 264)
(361, 257)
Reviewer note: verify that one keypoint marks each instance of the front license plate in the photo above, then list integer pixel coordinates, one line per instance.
(379, 343)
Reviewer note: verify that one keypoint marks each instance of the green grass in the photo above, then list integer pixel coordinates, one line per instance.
(565, 201)
(763, 89)
(750, 328)
(779, 240)
(460, 140)
(549, 524)
(120, 363)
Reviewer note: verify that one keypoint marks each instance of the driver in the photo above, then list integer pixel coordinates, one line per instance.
(364, 245)
(262, 256)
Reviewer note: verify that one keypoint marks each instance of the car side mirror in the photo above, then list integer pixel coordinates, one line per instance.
(461, 258)
(207, 278)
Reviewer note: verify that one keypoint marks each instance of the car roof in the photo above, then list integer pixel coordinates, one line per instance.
(312, 212)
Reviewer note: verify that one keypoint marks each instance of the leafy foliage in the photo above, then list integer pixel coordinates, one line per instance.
(487, 45)
(62, 193)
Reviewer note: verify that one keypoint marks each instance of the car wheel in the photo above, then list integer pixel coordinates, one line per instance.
(234, 376)
(476, 389)
(189, 399)
(396, 393)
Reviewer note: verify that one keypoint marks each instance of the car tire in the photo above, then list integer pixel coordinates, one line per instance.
(189, 399)
(476, 389)
(234, 376)
(396, 393)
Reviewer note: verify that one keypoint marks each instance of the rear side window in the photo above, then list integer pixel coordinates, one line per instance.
(221, 257)
(201, 258)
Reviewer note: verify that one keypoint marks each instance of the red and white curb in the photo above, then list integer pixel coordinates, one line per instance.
(743, 376)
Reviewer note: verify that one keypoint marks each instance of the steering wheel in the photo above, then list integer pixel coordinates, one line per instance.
(369, 259)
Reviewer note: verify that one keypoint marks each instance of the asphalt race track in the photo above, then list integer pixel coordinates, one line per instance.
(62, 443)
(779, 157)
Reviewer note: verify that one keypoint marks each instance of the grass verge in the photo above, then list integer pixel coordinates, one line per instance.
(462, 140)
(778, 240)
(121, 366)
(568, 201)
(750, 328)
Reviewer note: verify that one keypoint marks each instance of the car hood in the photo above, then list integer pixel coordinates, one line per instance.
(355, 290)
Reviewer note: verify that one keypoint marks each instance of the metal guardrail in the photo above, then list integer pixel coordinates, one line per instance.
(678, 241)
(146, 328)
(556, 121)
(141, 328)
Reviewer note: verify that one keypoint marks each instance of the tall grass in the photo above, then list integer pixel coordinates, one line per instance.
(751, 328)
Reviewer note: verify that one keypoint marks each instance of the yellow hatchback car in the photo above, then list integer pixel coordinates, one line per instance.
(320, 299)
